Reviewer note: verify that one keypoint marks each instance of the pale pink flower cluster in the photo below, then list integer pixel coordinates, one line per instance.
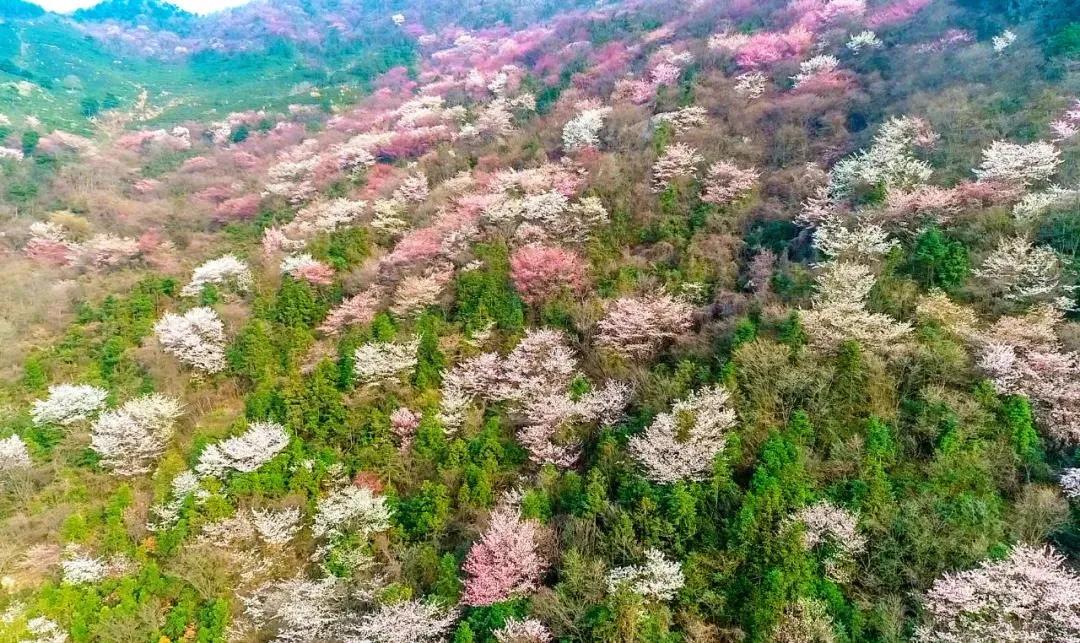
(1029, 596)
(726, 182)
(678, 161)
(304, 267)
(505, 562)
(403, 423)
(682, 444)
(358, 309)
(416, 292)
(827, 524)
(1022, 355)
(534, 378)
(196, 338)
(1068, 126)
(637, 327)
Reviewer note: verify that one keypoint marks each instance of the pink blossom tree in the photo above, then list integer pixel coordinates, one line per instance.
(505, 562)
(540, 272)
(1029, 596)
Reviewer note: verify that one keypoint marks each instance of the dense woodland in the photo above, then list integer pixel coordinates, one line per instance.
(650, 321)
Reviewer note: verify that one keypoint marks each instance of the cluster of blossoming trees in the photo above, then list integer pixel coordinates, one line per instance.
(529, 358)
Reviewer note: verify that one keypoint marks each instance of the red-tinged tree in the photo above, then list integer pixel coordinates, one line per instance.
(540, 272)
(241, 208)
(505, 562)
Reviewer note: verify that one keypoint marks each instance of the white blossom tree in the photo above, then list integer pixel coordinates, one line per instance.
(584, 129)
(130, 439)
(411, 621)
(1024, 272)
(1029, 596)
(244, 453)
(683, 443)
(890, 161)
(678, 161)
(528, 630)
(68, 404)
(657, 578)
(1017, 163)
(227, 270)
(382, 361)
(13, 454)
(839, 313)
(196, 338)
(351, 509)
(1070, 483)
(276, 527)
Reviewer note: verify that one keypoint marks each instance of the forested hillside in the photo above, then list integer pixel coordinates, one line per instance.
(524, 322)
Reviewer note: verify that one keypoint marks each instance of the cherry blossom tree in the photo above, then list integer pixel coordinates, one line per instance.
(299, 609)
(637, 327)
(381, 361)
(351, 509)
(825, 524)
(411, 621)
(1024, 272)
(683, 443)
(358, 309)
(584, 129)
(196, 338)
(658, 578)
(540, 272)
(890, 161)
(416, 292)
(130, 439)
(1070, 483)
(304, 267)
(1017, 163)
(68, 404)
(243, 453)
(839, 313)
(14, 455)
(505, 562)
(276, 527)
(678, 161)
(726, 182)
(227, 270)
(1028, 596)
(528, 630)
